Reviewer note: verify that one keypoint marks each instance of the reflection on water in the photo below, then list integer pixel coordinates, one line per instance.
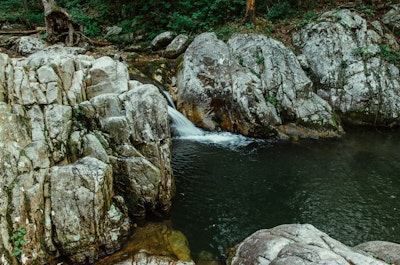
(348, 188)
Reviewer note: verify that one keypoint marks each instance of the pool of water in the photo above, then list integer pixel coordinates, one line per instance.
(348, 188)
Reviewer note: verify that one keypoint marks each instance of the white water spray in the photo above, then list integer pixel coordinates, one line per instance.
(184, 129)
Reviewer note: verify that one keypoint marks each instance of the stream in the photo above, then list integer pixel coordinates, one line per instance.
(229, 188)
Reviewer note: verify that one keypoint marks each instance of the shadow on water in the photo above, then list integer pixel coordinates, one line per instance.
(348, 188)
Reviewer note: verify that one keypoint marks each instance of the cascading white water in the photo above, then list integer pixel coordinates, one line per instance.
(168, 98)
(182, 128)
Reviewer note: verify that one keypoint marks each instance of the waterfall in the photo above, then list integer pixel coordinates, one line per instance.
(181, 126)
(184, 129)
(168, 98)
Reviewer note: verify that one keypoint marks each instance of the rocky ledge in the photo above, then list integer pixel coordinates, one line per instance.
(297, 244)
(85, 155)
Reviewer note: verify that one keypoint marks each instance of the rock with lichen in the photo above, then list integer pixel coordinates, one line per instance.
(354, 65)
(295, 244)
(250, 85)
(79, 141)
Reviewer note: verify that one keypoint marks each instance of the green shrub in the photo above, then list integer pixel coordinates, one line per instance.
(390, 55)
(13, 11)
(281, 10)
(225, 32)
(306, 18)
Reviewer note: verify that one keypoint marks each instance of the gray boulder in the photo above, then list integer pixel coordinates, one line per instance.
(392, 19)
(348, 59)
(296, 244)
(386, 251)
(252, 85)
(162, 40)
(106, 76)
(68, 122)
(29, 45)
(80, 197)
(113, 31)
(177, 46)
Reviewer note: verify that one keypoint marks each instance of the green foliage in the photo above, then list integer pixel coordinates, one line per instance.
(368, 10)
(81, 14)
(344, 64)
(390, 55)
(281, 10)
(226, 31)
(260, 59)
(269, 30)
(10, 11)
(273, 100)
(306, 18)
(18, 240)
(362, 51)
(13, 11)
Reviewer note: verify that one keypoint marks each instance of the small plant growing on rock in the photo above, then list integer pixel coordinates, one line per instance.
(260, 59)
(18, 241)
(273, 100)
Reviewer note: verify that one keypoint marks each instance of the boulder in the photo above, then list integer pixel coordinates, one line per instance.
(80, 196)
(251, 85)
(106, 76)
(392, 18)
(162, 40)
(29, 45)
(148, 185)
(113, 31)
(351, 67)
(386, 251)
(68, 123)
(294, 244)
(177, 46)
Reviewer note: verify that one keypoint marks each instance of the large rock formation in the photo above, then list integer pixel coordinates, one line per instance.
(350, 59)
(297, 244)
(251, 85)
(85, 152)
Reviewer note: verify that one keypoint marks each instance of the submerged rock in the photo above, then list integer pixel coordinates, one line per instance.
(353, 72)
(155, 243)
(252, 85)
(296, 244)
(84, 152)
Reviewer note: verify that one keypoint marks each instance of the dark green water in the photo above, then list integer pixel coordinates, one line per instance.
(348, 188)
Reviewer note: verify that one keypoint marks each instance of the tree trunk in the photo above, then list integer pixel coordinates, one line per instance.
(250, 11)
(59, 24)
